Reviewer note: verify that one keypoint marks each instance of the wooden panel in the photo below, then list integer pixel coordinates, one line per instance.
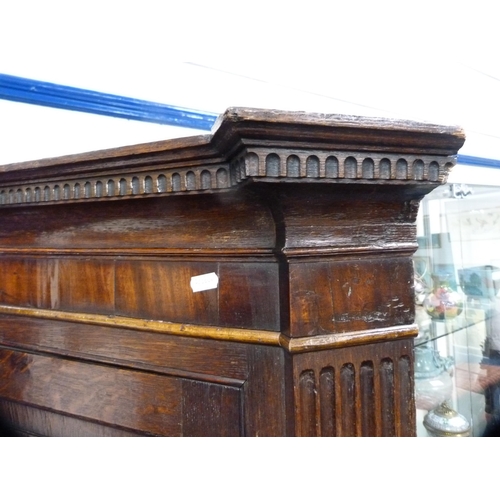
(159, 352)
(265, 403)
(22, 420)
(128, 399)
(361, 217)
(211, 410)
(68, 284)
(187, 222)
(79, 285)
(348, 295)
(110, 398)
(217, 362)
(18, 282)
(161, 290)
(249, 295)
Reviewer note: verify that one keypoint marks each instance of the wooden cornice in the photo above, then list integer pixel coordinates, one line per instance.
(274, 128)
(246, 145)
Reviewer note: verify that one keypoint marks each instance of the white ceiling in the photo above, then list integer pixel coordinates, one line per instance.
(433, 61)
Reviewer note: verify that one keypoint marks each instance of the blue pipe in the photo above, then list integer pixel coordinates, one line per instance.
(478, 162)
(14, 88)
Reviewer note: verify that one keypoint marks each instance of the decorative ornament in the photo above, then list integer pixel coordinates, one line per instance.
(443, 302)
(443, 421)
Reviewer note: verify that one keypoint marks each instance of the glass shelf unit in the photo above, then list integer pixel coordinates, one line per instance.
(457, 358)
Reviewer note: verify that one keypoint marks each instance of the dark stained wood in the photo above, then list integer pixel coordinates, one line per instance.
(160, 290)
(22, 420)
(75, 284)
(19, 282)
(341, 295)
(128, 348)
(162, 225)
(308, 222)
(356, 391)
(149, 288)
(128, 399)
(211, 410)
(249, 295)
(78, 285)
(266, 406)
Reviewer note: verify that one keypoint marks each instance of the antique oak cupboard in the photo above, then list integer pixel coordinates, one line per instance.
(257, 281)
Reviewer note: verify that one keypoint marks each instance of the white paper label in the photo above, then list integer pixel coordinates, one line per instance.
(436, 383)
(204, 282)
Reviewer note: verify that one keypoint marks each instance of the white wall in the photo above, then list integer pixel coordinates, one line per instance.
(432, 61)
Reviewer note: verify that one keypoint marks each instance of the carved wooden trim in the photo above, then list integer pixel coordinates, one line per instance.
(247, 145)
(182, 329)
(296, 345)
(105, 188)
(256, 164)
(359, 394)
(338, 166)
